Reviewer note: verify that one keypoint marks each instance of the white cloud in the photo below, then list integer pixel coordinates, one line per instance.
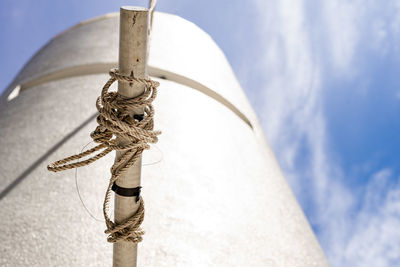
(302, 42)
(374, 238)
(341, 30)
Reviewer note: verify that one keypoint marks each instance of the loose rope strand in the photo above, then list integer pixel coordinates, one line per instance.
(115, 122)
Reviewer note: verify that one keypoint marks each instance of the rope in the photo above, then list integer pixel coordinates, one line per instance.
(114, 120)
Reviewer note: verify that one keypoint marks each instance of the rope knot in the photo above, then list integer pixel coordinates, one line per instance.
(116, 124)
(129, 230)
(101, 135)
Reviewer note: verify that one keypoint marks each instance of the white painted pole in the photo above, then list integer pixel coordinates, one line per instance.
(133, 37)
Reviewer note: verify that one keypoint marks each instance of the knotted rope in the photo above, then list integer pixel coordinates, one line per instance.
(115, 124)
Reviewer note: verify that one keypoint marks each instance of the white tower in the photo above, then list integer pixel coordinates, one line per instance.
(214, 193)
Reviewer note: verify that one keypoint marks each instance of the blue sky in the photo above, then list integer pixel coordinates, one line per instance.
(323, 79)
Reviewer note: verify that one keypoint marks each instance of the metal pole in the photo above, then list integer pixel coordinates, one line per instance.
(133, 37)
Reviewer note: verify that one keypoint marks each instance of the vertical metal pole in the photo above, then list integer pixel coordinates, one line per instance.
(133, 36)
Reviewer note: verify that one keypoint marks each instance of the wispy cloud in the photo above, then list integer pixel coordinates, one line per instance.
(305, 44)
(374, 235)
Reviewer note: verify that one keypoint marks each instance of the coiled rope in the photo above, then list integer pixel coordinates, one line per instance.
(115, 123)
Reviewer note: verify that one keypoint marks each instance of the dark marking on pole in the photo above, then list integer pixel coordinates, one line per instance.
(131, 83)
(134, 19)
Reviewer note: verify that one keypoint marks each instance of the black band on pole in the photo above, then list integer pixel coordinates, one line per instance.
(127, 192)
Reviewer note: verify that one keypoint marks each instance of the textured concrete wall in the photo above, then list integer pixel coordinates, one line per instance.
(214, 193)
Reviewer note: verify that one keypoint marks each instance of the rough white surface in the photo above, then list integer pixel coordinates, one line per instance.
(214, 193)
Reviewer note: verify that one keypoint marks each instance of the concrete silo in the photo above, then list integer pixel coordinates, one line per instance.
(214, 193)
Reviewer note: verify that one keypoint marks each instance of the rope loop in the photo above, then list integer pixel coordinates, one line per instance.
(116, 123)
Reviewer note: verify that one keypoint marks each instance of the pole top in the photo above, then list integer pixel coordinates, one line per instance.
(134, 8)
